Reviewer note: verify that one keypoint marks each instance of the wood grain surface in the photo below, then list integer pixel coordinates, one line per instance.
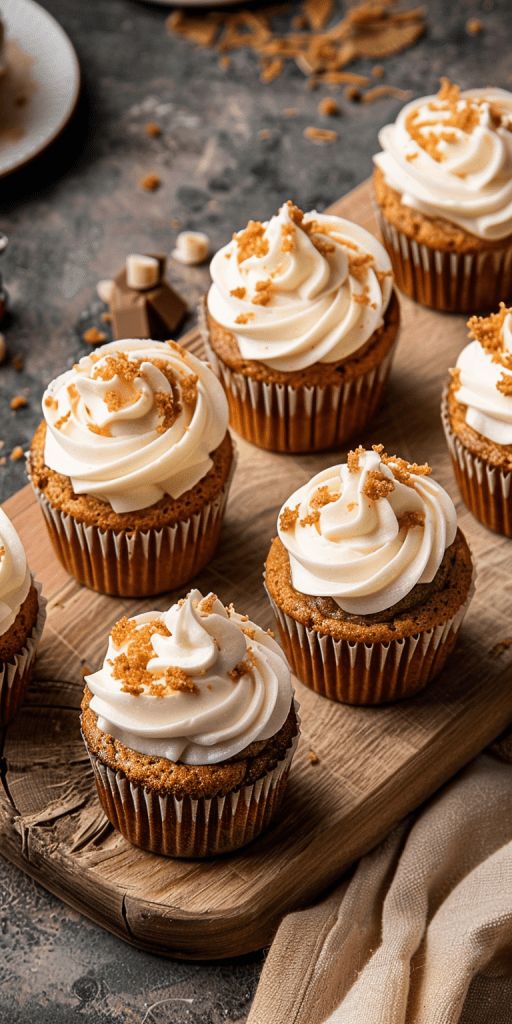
(375, 765)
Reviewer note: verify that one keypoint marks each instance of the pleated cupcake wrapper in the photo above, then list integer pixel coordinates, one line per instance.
(16, 673)
(186, 826)
(285, 419)
(449, 281)
(485, 489)
(353, 672)
(140, 562)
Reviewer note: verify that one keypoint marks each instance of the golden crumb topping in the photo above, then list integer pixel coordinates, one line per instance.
(377, 485)
(238, 293)
(353, 459)
(311, 519)
(263, 293)
(488, 331)
(410, 519)
(130, 667)
(251, 241)
(244, 318)
(322, 496)
(206, 604)
(288, 518)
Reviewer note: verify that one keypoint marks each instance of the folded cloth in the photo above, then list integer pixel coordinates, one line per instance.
(421, 933)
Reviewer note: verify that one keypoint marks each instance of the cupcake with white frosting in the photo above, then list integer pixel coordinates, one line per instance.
(22, 615)
(443, 182)
(132, 466)
(301, 323)
(369, 578)
(477, 419)
(191, 727)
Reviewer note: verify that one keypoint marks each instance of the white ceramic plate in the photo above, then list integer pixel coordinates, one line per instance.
(52, 67)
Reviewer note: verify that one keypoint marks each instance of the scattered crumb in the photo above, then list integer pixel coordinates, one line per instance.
(328, 107)
(474, 26)
(378, 92)
(93, 336)
(313, 758)
(3, 348)
(153, 129)
(17, 453)
(106, 318)
(150, 182)
(378, 71)
(18, 402)
(353, 94)
(18, 363)
(320, 136)
(271, 70)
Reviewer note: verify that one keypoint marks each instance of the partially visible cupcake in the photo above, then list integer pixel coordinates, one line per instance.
(132, 466)
(477, 420)
(443, 183)
(301, 323)
(191, 727)
(22, 615)
(369, 579)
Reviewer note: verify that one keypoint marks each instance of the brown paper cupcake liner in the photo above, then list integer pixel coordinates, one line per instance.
(281, 418)
(352, 672)
(188, 827)
(136, 563)
(486, 490)
(448, 281)
(15, 674)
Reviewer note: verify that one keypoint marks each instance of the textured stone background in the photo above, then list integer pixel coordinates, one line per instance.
(71, 218)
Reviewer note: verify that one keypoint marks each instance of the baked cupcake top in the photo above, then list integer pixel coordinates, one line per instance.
(133, 421)
(450, 156)
(196, 684)
(300, 288)
(15, 578)
(366, 532)
(483, 376)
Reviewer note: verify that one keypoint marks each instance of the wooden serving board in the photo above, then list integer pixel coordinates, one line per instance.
(375, 765)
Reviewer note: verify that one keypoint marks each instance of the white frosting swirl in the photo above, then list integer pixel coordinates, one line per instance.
(471, 184)
(488, 411)
(15, 578)
(354, 548)
(311, 312)
(225, 713)
(135, 458)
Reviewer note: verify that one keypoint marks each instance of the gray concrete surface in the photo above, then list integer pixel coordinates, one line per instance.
(71, 217)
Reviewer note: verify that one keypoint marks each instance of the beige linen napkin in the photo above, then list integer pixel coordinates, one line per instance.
(421, 933)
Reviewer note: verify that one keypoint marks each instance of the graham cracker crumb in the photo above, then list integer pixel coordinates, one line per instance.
(313, 757)
(101, 431)
(311, 519)
(377, 485)
(205, 606)
(238, 293)
(17, 453)
(288, 238)
(504, 385)
(288, 518)
(150, 182)
(249, 632)
(18, 402)
(263, 293)
(328, 107)
(251, 241)
(189, 388)
(488, 331)
(322, 496)
(410, 519)
(359, 265)
(353, 459)
(93, 336)
(320, 136)
(153, 129)
(62, 420)
(242, 669)
(244, 318)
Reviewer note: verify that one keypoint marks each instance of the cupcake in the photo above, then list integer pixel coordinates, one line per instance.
(444, 191)
(191, 726)
(22, 615)
(477, 420)
(369, 579)
(132, 466)
(301, 323)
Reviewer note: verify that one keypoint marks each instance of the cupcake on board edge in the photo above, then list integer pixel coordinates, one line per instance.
(191, 727)
(477, 420)
(369, 578)
(301, 323)
(443, 183)
(22, 617)
(132, 466)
